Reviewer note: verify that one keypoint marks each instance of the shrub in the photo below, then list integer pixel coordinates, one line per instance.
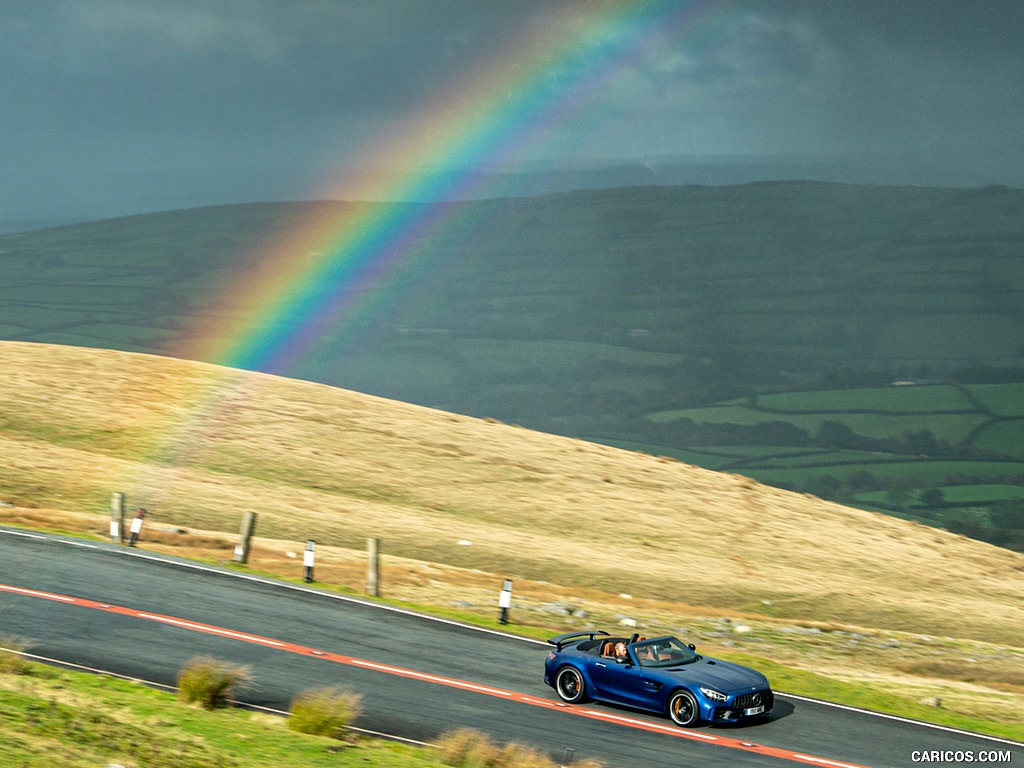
(11, 660)
(468, 748)
(324, 711)
(522, 756)
(209, 682)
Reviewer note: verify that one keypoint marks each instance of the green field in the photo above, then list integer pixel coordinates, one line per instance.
(895, 400)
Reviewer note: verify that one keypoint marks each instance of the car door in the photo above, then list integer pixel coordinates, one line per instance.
(622, 682)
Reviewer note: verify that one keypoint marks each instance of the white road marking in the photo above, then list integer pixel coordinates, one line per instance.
(37, 593)
(209, 629)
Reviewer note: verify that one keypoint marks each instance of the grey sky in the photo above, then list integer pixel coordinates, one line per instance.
(110, 107)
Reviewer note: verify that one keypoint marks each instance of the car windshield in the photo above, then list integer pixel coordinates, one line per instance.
(663, 652)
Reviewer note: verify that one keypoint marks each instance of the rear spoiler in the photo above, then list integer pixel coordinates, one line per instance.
(560, 640)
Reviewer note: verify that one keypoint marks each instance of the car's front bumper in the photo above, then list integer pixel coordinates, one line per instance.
(743, 707)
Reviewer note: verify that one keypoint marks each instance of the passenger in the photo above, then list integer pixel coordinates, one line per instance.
(620, 650)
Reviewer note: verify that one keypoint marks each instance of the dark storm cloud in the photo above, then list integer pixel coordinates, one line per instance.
(327, 55)
(156, 103)
(926, 24)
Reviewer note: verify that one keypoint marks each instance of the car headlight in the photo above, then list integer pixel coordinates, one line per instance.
(714, 695)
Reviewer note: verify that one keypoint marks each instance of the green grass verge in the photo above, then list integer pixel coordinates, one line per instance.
(51, 717)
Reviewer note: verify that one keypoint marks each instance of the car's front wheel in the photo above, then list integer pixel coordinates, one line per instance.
(570, 686)
(683, 708)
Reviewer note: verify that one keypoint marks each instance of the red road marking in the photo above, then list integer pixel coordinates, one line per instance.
(450, 682)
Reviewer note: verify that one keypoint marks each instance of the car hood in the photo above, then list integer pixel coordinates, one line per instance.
(720, 675)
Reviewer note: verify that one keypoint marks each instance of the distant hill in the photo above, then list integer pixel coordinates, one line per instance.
(198, 445)
(593, 313)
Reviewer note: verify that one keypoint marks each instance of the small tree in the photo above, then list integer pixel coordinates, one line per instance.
(932, 497)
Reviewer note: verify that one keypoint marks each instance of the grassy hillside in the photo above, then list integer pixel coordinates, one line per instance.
(608, 314)
(198, 445)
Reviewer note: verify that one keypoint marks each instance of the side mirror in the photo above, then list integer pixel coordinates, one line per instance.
(692, 647)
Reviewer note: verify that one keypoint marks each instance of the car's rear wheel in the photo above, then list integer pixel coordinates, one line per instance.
(570, 686)
(683, 708)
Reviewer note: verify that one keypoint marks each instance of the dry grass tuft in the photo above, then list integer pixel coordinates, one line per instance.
(210, 682)
(11, 660)
(469, 748)
(324, 711)
(521, 756)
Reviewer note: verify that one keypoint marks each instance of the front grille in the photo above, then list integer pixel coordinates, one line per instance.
(755, 699)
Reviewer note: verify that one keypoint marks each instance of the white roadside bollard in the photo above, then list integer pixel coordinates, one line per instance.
(308, 558)
(136, 529)
(505, 601)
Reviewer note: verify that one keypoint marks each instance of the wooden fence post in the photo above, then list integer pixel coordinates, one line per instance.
(373, 567)
(245, 537)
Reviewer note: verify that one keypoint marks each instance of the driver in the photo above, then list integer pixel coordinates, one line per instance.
(620, 647)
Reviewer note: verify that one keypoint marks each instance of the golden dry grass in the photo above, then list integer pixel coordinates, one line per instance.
(198, 445)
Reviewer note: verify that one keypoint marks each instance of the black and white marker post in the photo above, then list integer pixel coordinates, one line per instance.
(308, 558)
(505, 601)
(140, 515)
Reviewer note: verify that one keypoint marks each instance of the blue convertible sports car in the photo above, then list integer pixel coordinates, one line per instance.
(659, 675)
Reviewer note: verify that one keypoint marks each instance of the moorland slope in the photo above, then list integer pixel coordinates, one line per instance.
(198, 445)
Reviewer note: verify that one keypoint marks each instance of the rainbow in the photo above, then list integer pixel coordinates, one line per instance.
(341, 263)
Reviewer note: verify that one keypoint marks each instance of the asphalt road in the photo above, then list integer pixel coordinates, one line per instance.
(141, 615)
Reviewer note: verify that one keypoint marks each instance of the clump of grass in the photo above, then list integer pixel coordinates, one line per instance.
(209, 682)
(11, 660)
(469, 748)
(324, 711)
(522, 756)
